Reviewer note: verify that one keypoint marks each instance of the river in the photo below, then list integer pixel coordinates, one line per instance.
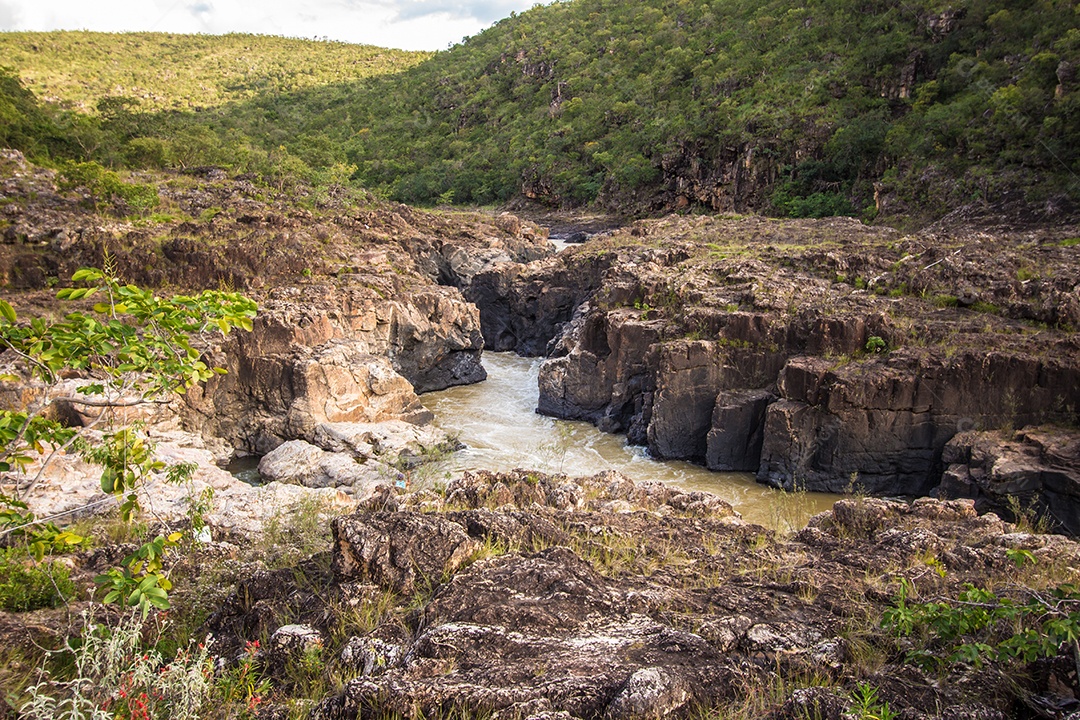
(496, 421)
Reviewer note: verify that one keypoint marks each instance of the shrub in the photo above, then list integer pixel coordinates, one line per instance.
(107, 187)
(117, 676)
(26, 584)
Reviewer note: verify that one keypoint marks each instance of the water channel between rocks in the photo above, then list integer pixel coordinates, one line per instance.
(496, 420)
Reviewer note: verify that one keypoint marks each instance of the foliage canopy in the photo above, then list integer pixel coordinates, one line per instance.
(625, 102)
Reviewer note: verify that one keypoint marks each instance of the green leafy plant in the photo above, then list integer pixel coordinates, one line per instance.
(866, 705)
(135, 348)
(979, 625)
(141, 581)
(118, 674)
(27, 584)
(40, 539)
(876, 344)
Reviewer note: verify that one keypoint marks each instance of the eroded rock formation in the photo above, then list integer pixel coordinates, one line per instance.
(819, 355)
(598, 598)
(1024, 475)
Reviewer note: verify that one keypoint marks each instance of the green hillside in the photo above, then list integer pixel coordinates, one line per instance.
(163, 72)
(829, 107)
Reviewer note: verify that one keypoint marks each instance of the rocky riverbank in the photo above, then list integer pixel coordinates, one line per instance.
(523, 595)
(358, 313)
(818, 354)
(823, 355)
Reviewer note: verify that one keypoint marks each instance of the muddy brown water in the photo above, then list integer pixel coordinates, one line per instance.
(497, 422)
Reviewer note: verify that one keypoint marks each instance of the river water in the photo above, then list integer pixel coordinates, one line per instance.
(496, 421)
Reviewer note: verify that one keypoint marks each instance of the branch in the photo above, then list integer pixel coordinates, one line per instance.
(42, 521)
(45, 463)
(110, 403)
(30, 360)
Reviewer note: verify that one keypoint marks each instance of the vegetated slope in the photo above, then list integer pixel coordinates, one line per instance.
(798, 108)
(867, 107)
(164, 71)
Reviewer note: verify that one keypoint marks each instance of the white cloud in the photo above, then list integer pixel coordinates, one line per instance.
(408, 24)
(9, 16)
(483, 11)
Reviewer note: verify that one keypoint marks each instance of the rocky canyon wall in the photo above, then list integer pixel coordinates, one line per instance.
(762, 360)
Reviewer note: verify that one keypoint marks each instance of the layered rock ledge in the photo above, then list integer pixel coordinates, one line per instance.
(820, 355)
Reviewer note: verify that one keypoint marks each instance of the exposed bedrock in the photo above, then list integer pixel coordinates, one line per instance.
(877, 424)
(607, 599)
(321, 354)
(732, 351)
(1033, 472)
(881, 425)
(525, 308)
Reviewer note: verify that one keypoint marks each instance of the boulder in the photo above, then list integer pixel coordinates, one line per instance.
(293, 642)
(370, 655)
(398, 551)
(1035, 472)
(390, 442)
(341, 383)
(300, 463)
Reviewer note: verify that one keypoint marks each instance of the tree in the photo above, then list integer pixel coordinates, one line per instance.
(131, 348)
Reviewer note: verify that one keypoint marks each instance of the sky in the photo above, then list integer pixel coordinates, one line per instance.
(406, 24)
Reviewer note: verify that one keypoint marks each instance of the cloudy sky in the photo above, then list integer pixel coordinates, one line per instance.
(409, 24)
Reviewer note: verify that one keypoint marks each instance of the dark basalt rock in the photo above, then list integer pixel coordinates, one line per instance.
(657, 329)
(1036, 470)
(737, 433)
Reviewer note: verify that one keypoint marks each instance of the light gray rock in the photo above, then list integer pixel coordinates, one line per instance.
(371, 656)
(649, 693)
(295, 639)
(298, 462)
(388, 441)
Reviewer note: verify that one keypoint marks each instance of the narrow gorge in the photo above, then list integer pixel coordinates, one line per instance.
(675, 545)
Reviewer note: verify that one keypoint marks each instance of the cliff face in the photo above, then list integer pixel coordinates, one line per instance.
(358, 309)
(819, 355)
(327, 353)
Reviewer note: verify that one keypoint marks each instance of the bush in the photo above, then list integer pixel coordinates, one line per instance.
(28, 585)
(117, 675)
(106, 186)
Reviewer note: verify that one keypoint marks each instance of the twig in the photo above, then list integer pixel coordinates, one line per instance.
(30, 360)
(88, 402)
(50, 518)
(938, 262)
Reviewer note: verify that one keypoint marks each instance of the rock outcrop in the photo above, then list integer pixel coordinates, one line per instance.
(359, 306)
(339, 358)
(881, 425)
(239, 510)
(668, 609)
(825, 356)
(1033, 473)
(398, 551)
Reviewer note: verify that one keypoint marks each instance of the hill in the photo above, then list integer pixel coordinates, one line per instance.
(162, 71)
(861, 107)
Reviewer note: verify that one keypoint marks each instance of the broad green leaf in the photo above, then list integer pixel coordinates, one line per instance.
(7, 311)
